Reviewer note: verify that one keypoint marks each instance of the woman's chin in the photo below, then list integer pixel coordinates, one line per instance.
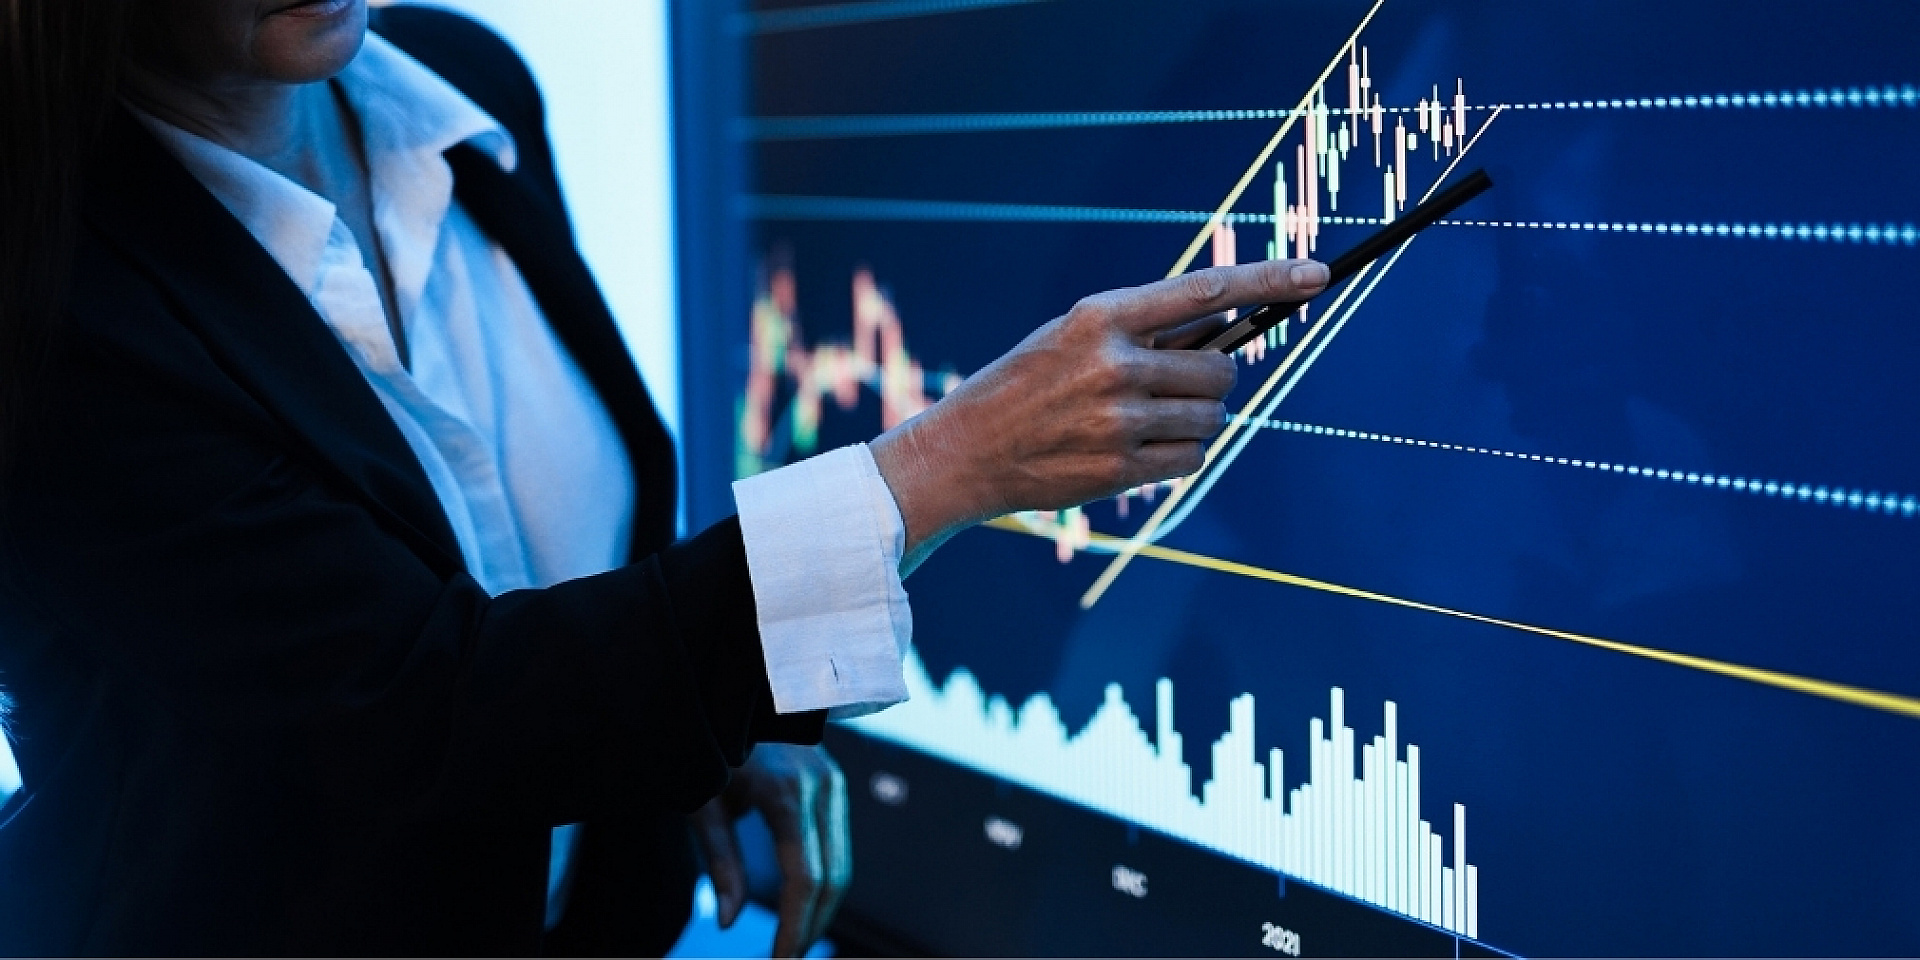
(312, 41)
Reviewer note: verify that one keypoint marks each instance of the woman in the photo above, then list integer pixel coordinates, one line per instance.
(338, 563)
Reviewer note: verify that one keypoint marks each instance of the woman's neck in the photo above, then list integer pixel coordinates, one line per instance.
(304, 132)
(268, 122)
(300, 131)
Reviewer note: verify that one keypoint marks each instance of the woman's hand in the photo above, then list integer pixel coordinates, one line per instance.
(1085, 407)
(802, 795)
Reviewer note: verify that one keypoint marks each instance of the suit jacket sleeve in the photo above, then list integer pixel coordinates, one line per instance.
(180, 540)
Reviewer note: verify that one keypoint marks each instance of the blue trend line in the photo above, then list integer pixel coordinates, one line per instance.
(1872, 501)
(861, 208)
(843, 14)
(1868, 233)
(1219, 467)
(900, 125)
(953, 211)
(1885, 96)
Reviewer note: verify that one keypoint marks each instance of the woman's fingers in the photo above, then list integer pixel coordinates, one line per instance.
(713, 827)
(797, 847)
(1192, 334)
(836, 844)
(1148, 310)
(1166, 460)
(1156, 420)
(1207, 374)
(802, 795)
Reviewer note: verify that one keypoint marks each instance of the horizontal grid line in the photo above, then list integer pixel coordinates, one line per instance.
(765, 129)
(1906, 234)
(863, 11)
(881, 209)
(1851, 498)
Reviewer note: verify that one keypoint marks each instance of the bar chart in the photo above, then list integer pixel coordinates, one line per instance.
(1352, 827)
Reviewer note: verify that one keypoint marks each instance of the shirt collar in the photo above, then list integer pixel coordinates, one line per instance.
(405, 108)
(409, 117)
(291, 222)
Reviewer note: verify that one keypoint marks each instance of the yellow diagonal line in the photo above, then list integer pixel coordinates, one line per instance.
(1894, 703)
(1246, 179)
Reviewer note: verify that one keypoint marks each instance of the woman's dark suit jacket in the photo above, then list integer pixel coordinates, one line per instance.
(261, 706)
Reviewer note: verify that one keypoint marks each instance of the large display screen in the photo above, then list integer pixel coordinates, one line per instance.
(1553, 590)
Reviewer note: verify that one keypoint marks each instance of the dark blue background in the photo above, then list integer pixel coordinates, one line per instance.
(1616, 805)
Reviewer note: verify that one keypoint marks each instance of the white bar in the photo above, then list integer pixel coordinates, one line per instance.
(1355, 832)
(1269, 820)
(1326, 806)
(1250, 791)
(1310, 822)
(1473, 901)
(1323, 799)
(1396, 815)
(1460, 861)
(1433, 875)
(1420, 872)
(1290, 843)
(1277, 787)
(1391, 829)
(1163, 715)
(1400, 163)
(1460, 107)
(1279, 209)
(1348, 809)
(1416, 834)
(1363, 832)
(1370, 821)
(1333, 173)
(1380, 830)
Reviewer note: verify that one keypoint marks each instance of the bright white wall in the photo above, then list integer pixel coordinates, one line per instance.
(9, 771)
(603, 67)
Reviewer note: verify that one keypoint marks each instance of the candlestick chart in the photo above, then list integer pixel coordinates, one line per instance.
(876, 361)
(1597, 491)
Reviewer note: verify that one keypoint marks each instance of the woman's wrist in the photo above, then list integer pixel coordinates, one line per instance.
(933, 485)
(1084, 407)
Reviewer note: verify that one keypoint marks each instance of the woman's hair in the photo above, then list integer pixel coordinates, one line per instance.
(59, 63)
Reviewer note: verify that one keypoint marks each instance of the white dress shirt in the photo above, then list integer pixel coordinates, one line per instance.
(519, 449)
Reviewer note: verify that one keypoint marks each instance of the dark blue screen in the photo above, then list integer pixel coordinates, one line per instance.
(1606, 483)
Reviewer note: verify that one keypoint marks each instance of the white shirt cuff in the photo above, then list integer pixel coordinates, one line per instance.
(824, 540)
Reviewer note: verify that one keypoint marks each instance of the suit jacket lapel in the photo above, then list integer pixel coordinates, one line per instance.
(262, 328)
(536, 239)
